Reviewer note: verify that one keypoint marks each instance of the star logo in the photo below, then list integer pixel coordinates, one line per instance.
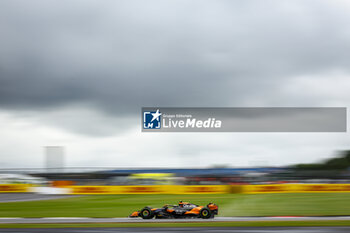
(156, 115)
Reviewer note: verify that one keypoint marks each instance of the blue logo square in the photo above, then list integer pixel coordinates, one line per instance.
(152, 120)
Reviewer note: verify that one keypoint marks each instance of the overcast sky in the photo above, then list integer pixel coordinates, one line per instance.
(76, 74)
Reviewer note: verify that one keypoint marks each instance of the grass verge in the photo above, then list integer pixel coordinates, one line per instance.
(104, 206)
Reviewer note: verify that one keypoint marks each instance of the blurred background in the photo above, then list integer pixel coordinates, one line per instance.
(334, 170)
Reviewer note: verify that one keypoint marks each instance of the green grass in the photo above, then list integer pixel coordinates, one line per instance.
(311, 204)
(189, 224)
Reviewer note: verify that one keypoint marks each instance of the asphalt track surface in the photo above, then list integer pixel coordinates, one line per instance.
(183, 229)
(138, 220)
(17, 197)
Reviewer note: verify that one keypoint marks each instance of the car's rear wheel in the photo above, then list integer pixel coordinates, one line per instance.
(205, 213)
(146, 213)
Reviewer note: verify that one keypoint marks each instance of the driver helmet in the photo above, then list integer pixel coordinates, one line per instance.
(181, 204)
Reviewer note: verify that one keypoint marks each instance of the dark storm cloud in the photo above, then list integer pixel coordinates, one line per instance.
(121, 55)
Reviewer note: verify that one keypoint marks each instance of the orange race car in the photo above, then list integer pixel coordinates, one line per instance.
(182, 210)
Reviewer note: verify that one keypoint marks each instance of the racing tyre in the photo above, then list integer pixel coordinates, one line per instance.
(205, 213)
(146, 213)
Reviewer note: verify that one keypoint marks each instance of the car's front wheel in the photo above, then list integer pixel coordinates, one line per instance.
(205, 213)
(146, 213)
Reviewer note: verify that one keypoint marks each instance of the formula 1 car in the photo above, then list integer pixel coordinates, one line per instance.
(182, 210)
